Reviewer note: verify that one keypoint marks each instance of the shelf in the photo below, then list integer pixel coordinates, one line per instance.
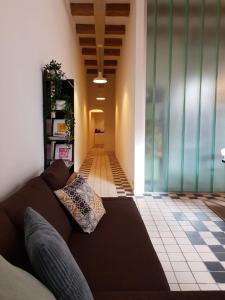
(54, 144)
(56, 138)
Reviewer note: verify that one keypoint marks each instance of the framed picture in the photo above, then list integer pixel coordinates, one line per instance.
(59, 127)
(64, 151)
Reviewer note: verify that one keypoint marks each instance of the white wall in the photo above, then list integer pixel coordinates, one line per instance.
(108, 106)
(130, 98)
(31, 34)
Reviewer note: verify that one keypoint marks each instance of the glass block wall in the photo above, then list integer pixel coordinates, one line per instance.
(185, 108)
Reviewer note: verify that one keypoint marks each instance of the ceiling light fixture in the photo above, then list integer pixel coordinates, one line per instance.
(100, 79)
(100, 98)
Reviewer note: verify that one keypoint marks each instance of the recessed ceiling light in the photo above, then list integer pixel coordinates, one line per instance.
(100, 98)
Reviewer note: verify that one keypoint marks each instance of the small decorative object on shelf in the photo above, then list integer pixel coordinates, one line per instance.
(58, 109)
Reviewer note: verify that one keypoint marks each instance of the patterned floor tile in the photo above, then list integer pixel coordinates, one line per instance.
(188, 237)
(191, 238)
(103, 172)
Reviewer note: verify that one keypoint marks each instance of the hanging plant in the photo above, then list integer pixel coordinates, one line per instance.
(54, 71)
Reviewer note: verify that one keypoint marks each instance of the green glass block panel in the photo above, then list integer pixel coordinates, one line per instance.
(206, 138)
(219, 168)
(185, 108)
(161, 102)
(176, 103)
(192, 96)
(149, 124)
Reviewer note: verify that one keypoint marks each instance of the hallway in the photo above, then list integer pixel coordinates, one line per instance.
(103, 172)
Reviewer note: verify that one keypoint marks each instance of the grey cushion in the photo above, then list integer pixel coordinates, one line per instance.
(16, 284)
(52, 260)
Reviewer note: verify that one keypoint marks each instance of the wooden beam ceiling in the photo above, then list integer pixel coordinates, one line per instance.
(110, 63)
(92, 71)
(109, 71)
(90, 62)
(87, 41)
(116, 42)
(117, 9)
(90, 21)
(82, 9)
(89, 51)
(112, 52)
(85, 28)
(112, 9)
(115, 29)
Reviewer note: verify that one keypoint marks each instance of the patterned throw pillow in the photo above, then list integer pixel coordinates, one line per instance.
(82, 202)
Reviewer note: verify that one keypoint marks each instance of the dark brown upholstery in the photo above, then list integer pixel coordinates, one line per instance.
(10, 240)
(56, 175)
(206, 295)
(37, 194)
(118, 255)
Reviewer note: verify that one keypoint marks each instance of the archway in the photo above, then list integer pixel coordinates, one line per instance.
(96, 128)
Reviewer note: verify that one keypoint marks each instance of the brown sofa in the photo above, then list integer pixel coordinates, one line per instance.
(117, 259)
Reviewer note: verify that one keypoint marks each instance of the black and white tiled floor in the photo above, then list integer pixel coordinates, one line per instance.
(103, 172)
(123, 187)
(188, 237)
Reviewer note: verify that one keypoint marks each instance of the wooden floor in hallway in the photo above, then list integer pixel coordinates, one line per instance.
(103, 172)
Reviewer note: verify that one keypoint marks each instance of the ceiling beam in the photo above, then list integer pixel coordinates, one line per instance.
(82, 9)
(117, 9)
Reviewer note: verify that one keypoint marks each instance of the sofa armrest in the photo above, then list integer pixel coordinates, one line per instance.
(148, 295)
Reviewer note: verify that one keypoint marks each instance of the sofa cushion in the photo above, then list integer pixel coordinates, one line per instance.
(17, 284)
(52, 260)
(143, 295)
(118, 255)
(83, 203)
(38, 195)
(56, 175)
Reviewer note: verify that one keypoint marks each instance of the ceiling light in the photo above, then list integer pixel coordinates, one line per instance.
(100, 79)
(100, 98)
